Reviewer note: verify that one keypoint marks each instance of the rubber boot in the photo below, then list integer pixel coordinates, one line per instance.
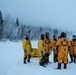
(29, 58)
(59, 66)
(48, 59)
(42, 63)
(45, 60)
(65, 66)
(55, 59)
(71, 57)
(74, 59)
(25, 59)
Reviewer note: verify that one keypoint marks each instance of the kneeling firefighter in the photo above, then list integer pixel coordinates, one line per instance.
(63, 45)
(27, 49)
(41, 50)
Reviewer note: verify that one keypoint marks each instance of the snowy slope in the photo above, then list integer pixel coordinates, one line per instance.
(11, 62)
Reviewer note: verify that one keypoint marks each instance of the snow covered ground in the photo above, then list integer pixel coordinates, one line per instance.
(11, 62)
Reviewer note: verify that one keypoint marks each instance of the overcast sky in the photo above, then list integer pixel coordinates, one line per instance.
(56, 13)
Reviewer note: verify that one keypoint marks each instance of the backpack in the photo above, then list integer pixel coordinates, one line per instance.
(64, 41)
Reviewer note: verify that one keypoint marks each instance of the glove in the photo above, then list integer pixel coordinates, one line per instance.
(25, 51)
(55, 51)
(42, 53)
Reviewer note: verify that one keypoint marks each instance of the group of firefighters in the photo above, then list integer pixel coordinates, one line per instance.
(61, 47)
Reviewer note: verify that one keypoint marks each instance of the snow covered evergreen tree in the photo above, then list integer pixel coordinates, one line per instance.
(13, 30)
(1, 25)
(17, 22)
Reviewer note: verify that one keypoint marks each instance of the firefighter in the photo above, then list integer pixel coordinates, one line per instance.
(62, 46)
(41, 51)
(47, 41)
(55, 54)
(74, 47)
(27, 49)
(73, 50)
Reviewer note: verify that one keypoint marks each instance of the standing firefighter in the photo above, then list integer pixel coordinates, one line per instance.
(73, 50)
(27, 49)
(47, 47)
(41, 50)
(63, 45)
(55, 53)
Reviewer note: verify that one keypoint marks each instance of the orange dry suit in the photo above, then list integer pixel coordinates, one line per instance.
(47, 48)
(55, 53)
(63, 44)
(27, 48)
(53, 42)
(41, 50)
(47, 45)
(73, 50)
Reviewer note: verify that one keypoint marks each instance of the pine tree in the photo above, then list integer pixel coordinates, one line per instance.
(55, 31)
(17, 22)
(1, 24)
(22, 32)
(18, 27)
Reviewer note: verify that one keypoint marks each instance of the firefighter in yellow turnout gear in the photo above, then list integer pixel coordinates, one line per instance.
(55, 53)
(63, 45)
(41, 50)
(47, 47)
(27, 49)
(73, 50)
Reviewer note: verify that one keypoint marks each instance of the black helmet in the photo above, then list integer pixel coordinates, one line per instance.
(62, 34)
(54, 36)
(47, 35)
(42, 35)
(73, 35)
